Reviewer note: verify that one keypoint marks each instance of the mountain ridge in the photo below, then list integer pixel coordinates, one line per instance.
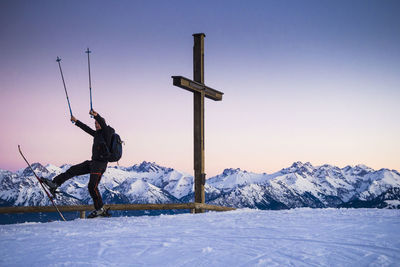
(300, 185)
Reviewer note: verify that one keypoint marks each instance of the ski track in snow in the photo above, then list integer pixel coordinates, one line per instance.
(298, 237)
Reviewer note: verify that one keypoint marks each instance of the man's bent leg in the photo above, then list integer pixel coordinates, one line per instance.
(79, 169)
(96, 171)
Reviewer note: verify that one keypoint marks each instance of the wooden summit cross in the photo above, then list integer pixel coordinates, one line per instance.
(199, 90)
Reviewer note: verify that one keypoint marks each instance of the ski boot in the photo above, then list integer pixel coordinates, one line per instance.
(51, 185)
(99, 213)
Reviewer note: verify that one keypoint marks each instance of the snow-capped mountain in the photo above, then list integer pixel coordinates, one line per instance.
(303, 185)
(300, 185)
(143, 183)
(231, 178)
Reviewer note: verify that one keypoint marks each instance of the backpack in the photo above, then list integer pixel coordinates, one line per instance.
(115, 148)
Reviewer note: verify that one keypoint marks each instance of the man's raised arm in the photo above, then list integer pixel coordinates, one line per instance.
(83, 126)
(99, 119)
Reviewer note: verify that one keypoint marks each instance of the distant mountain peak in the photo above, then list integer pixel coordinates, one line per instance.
(146, 166)
(363, 167)
(37, 167)
(231, 171)
(299, 167)
(358, 170)
(297, 164)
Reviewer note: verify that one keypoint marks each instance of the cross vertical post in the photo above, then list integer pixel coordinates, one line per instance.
(200, 91)
(198, 130)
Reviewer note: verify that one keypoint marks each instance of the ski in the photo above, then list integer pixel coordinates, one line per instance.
(41, 183)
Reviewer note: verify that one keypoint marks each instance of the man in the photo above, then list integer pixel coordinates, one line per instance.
(96, 167)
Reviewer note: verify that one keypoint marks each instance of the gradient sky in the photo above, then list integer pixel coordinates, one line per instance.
(315, 81)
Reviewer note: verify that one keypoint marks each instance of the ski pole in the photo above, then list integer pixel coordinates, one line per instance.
(65, 88)
(90, 80)
(41, 183)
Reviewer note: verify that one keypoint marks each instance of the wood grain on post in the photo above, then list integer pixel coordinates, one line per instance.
(198, 121)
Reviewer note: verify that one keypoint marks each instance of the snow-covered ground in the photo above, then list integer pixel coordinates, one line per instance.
(297, 237)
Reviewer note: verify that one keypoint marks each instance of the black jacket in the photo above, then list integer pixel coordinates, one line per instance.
(101, 140)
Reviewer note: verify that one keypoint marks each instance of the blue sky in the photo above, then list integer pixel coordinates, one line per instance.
(313, 81)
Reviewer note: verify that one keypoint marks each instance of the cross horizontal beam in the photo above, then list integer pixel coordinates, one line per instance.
(194, 87)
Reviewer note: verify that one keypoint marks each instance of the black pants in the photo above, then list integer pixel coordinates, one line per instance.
(96, 170)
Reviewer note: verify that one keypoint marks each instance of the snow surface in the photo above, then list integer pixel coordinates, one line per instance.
(297, 237)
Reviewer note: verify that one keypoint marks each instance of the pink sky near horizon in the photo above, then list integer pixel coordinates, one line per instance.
(310, 83)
